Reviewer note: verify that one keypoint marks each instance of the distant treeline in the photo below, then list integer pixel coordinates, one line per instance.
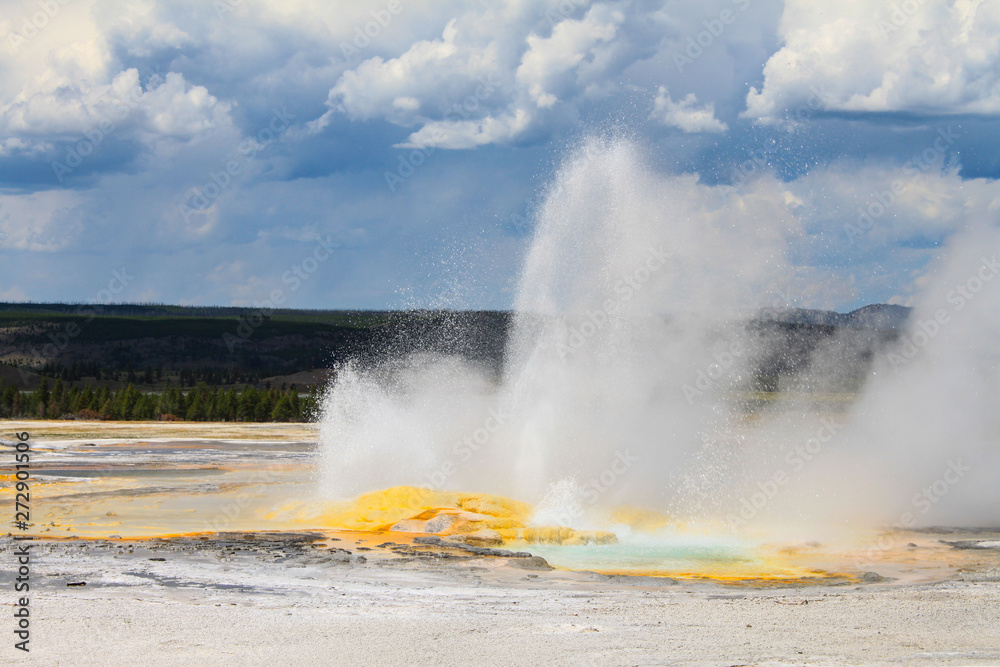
(150, 375)
(202, 403)
(152, 309)
(155, 346)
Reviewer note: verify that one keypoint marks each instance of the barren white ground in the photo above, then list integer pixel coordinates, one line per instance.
(182, 603)
(198, 608)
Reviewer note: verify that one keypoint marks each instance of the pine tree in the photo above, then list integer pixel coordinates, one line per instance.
(283, 410)
(197, 411)
(57, 393)
(41, 397)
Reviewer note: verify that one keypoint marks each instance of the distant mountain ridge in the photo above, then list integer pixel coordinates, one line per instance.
(875, 316)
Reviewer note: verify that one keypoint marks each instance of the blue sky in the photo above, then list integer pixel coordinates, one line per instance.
(381, 154)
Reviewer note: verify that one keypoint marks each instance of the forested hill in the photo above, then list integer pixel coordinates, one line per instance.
(158, 346)
(153, 346)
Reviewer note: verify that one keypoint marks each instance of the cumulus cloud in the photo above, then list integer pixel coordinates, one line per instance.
(398, 88)
(913, 56)
(65, 80)
(186, 86)
(173, 108)
(494, 75)
(177, 109)
(553, 66)
(686, 114)
(880, 224)
(461, 134)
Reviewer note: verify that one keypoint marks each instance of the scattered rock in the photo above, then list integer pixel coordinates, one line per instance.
(159, 559)
(991, 576)
(77, 583)
(486, 537)
(637, 580)
(531, 563)
(486, 551)
(953, 530)
(973, 544)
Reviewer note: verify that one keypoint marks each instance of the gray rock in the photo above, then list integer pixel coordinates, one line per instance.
(643, 580)
(486, 551)
(973, 544)
(440, 523)
(531, 563)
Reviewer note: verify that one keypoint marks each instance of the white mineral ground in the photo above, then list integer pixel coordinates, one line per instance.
(282, 598)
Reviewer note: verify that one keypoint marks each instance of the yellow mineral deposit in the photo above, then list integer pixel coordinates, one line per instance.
(472, 517)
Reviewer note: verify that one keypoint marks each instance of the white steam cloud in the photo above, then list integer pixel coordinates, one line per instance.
(627, 370)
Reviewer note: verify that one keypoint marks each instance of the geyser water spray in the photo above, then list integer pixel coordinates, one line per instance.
(628, 367)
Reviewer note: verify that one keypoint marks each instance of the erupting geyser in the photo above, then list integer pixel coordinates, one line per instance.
(628, 365)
